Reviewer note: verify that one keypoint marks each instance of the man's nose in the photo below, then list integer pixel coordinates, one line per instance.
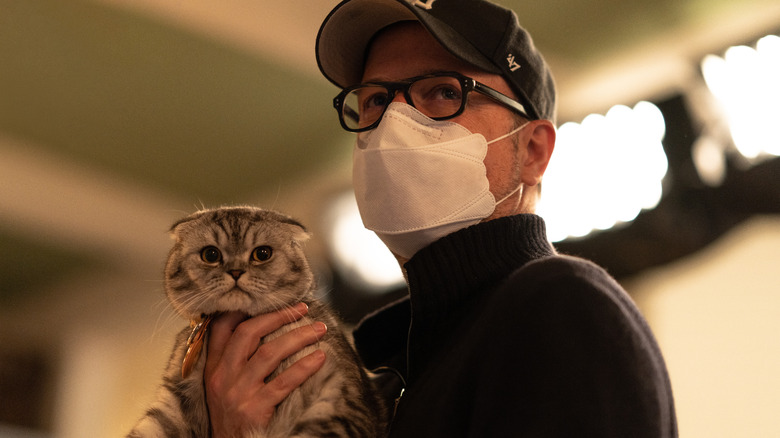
(401, 97)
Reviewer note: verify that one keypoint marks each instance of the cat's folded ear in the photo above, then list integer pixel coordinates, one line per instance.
(175, 228)
(299, 232)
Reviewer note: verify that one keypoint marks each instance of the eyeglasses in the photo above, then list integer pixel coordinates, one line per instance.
(440, 96)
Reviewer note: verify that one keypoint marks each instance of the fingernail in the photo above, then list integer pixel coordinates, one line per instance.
(320, 328)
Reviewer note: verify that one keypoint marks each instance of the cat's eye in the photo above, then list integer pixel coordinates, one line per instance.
(210, 254)
(262, 253)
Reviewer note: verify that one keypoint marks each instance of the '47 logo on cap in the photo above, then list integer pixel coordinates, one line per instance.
(510, 59)
(425, 4)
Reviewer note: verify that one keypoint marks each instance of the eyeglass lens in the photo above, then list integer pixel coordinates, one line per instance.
(436, 97)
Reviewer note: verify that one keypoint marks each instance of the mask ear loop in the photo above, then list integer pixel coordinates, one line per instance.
(514, 131)
(510, 194)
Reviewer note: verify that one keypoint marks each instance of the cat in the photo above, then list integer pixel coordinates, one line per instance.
(250, 260)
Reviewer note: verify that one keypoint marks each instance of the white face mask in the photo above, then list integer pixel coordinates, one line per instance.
(417, 179)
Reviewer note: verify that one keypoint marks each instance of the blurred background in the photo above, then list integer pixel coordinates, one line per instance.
(118, 117)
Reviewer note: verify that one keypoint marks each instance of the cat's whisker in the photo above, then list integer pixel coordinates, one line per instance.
(323, 294)
(166, 317)
(276, 199)
(195, 303)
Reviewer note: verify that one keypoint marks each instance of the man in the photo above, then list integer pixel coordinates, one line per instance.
(500, 336)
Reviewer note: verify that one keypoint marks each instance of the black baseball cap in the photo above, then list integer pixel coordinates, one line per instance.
(478, 32)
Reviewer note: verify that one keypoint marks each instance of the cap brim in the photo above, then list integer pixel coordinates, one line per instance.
(347, 31)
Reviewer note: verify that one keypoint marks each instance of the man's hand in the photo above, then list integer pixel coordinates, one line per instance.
(238, 397)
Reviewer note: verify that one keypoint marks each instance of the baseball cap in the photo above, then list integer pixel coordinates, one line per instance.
(478, 32)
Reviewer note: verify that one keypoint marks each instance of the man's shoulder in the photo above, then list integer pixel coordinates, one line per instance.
(576, 345)
(564, 306)
(563, 285)
(559, 272)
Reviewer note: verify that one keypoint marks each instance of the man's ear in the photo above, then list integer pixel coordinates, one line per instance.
(541, 142)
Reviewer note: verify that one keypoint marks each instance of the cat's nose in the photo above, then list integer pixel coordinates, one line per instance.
(235, 273)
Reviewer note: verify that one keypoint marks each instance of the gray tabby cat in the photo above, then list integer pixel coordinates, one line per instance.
(250, 260)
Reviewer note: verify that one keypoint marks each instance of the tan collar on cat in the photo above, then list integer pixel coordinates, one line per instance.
(195, 343)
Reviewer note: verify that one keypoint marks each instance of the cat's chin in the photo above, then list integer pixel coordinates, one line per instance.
(237, 300)
(234, 300)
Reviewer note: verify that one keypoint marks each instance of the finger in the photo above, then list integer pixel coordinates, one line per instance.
(246, 335)
(219, 333)
(269, 355)
(282, 385)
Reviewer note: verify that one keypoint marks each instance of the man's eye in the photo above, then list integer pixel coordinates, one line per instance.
(445, 92)
(376, 100)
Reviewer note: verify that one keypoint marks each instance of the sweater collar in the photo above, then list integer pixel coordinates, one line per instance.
(444, 274)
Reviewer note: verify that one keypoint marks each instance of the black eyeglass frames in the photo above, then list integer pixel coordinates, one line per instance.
(440, 96)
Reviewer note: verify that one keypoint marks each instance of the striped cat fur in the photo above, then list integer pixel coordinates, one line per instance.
(338, 401)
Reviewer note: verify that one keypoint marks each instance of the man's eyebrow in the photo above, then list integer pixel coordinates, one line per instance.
(422, 73)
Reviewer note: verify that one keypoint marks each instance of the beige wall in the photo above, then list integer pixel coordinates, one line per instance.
(717, 318)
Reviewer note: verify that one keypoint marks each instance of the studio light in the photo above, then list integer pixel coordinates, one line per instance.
(604, 171)
(746, 84)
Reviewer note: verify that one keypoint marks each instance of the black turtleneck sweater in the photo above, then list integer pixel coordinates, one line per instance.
(502, 337)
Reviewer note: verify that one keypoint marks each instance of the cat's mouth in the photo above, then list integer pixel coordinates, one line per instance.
(232, 299)
(236, 290)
